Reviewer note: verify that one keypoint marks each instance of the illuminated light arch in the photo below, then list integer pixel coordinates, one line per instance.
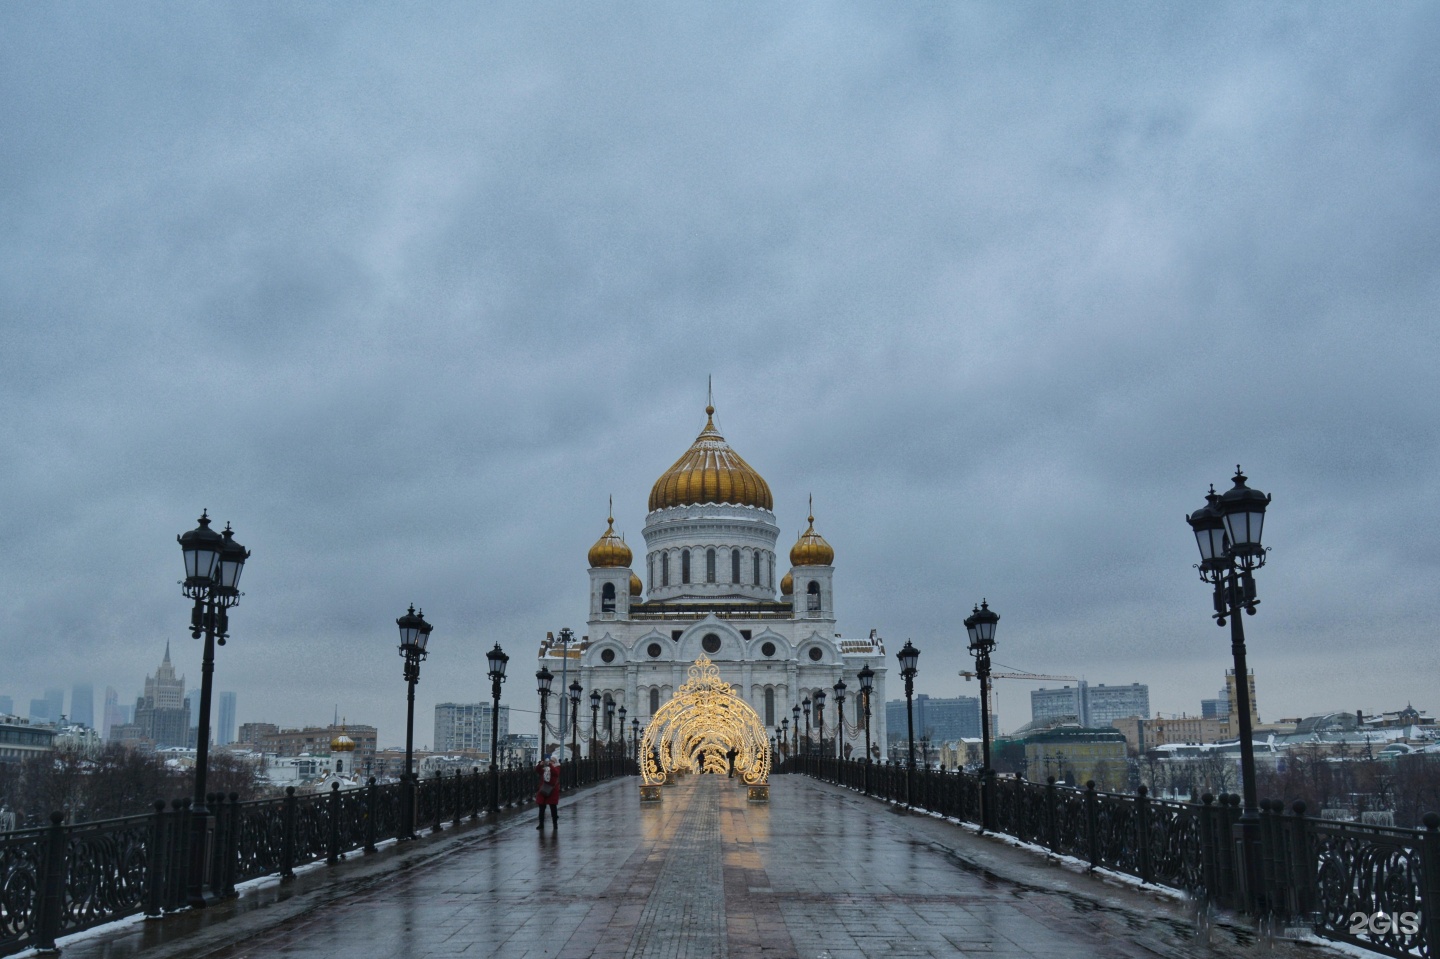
(696, 729)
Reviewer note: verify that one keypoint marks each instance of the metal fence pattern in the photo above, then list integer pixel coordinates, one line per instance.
(1371, 886)
(66, 878)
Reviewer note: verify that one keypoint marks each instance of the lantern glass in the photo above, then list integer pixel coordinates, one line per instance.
(575, 690)
(867, 678)
(497, 659)
(543, 679)
(232, 562)
(201, 548)
(909, 656)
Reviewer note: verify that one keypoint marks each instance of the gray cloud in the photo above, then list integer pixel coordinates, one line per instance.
(407, 296)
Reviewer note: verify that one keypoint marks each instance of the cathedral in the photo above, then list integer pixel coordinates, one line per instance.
(710, 565)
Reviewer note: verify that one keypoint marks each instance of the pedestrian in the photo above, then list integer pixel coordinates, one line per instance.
(547, 791)
(730, 757)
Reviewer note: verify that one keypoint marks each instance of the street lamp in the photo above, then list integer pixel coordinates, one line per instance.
(610, 724)
(908, 657)
(805, 705)
(981, 626)
(594, 721)
(414, 638)
(785, 735)
(867, 686)
(213, 563)
(575, 690)
(1227, 530)
(621, 713)
(840, 688)
(635, 738)
(543, 679)
(795, 711)
(820, 719)
(497, 659)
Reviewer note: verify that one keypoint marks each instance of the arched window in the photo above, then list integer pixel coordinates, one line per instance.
(607, 598)
(664, 569)
(734, 566)
(770, 570)
(654, 700)
(769, 706)
(756, 558)
(812, 596)
(685, 566)
(710, 566)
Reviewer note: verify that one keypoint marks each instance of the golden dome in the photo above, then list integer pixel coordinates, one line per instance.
(609, 551)
(710, 472)
(342, 743)
(811, 549)
(636, 587)
(787, 585)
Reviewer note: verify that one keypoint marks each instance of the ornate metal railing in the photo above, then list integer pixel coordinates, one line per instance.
(1371, 886)
(67, 878)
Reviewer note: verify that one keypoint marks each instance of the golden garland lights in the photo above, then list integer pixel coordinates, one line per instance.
(698, 727)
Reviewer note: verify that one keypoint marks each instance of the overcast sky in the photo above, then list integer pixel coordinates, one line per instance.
(406, 292)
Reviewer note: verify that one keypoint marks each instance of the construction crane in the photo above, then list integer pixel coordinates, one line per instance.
(995, 693)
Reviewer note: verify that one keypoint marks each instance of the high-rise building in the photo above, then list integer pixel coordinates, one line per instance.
(936, 720)
(1094, 707)
(162, 713)
(7, 706)
(253, 734)
(114, 713)
(225, 730)
(467, 726)
(1217, 708)
(1234, 714)
(82, 704)
(40, 711)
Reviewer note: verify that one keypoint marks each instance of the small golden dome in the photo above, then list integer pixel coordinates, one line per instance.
(811, 549)
(636, 587)
(710, 472)
(787, 585)
(609, 551)
(342, 743)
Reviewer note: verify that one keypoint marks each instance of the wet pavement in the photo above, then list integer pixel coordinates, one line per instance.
(818, 872)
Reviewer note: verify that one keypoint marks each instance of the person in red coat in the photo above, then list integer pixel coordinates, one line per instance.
(547, 790)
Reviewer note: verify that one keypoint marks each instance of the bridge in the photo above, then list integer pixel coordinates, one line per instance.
(820, 870)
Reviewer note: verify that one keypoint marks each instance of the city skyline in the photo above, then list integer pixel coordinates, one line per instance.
(1004, 288)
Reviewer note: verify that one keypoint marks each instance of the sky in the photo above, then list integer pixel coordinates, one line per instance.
(405, 293)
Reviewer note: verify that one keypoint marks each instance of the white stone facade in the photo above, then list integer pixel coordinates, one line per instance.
(776, 650)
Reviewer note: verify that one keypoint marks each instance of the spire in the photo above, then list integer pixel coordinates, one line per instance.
(167, 653)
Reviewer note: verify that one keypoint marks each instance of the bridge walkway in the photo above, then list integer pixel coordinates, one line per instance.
(819, 872)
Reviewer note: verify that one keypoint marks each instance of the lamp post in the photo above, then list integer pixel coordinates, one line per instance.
(867, 685)
(621, 736)
(785, 735)
(840, 688)
(414, 638)
(566, 637)
(213, 563)
(635, 738)
(497, 659)
(805, 705)
(543, 679)
(795, 711)
(908, 657)
(820, 720)
(575, 691)
(594, 722)
(1227, 530)
(609, 725)
(980, 624)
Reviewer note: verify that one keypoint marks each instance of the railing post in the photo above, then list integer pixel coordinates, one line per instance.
(155, 868)
(1430, 896)
(1300, 878)
(332, 839)
(459, 797)
(1052, 816)
(1209, 860)
(1092, 823)
(439, 801)
(475, 784)
(180, 859)
(1142, 830)
(52, 886)
(288, 814)
(215, 803)
(372, 803)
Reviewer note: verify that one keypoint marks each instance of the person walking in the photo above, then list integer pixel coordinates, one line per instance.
(547, 791)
